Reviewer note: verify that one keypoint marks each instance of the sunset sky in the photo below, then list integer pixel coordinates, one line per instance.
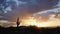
(11, 9)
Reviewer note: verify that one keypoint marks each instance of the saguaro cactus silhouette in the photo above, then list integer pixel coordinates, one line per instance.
(18, 22)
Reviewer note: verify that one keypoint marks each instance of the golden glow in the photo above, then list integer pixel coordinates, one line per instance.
(40, 23)
(32, 21)
(29, 21)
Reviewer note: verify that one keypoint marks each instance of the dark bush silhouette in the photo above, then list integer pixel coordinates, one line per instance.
(31, 30)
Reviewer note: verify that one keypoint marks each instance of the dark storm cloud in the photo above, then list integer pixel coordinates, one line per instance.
(31, 6)
(2, 1)
(38, 5)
